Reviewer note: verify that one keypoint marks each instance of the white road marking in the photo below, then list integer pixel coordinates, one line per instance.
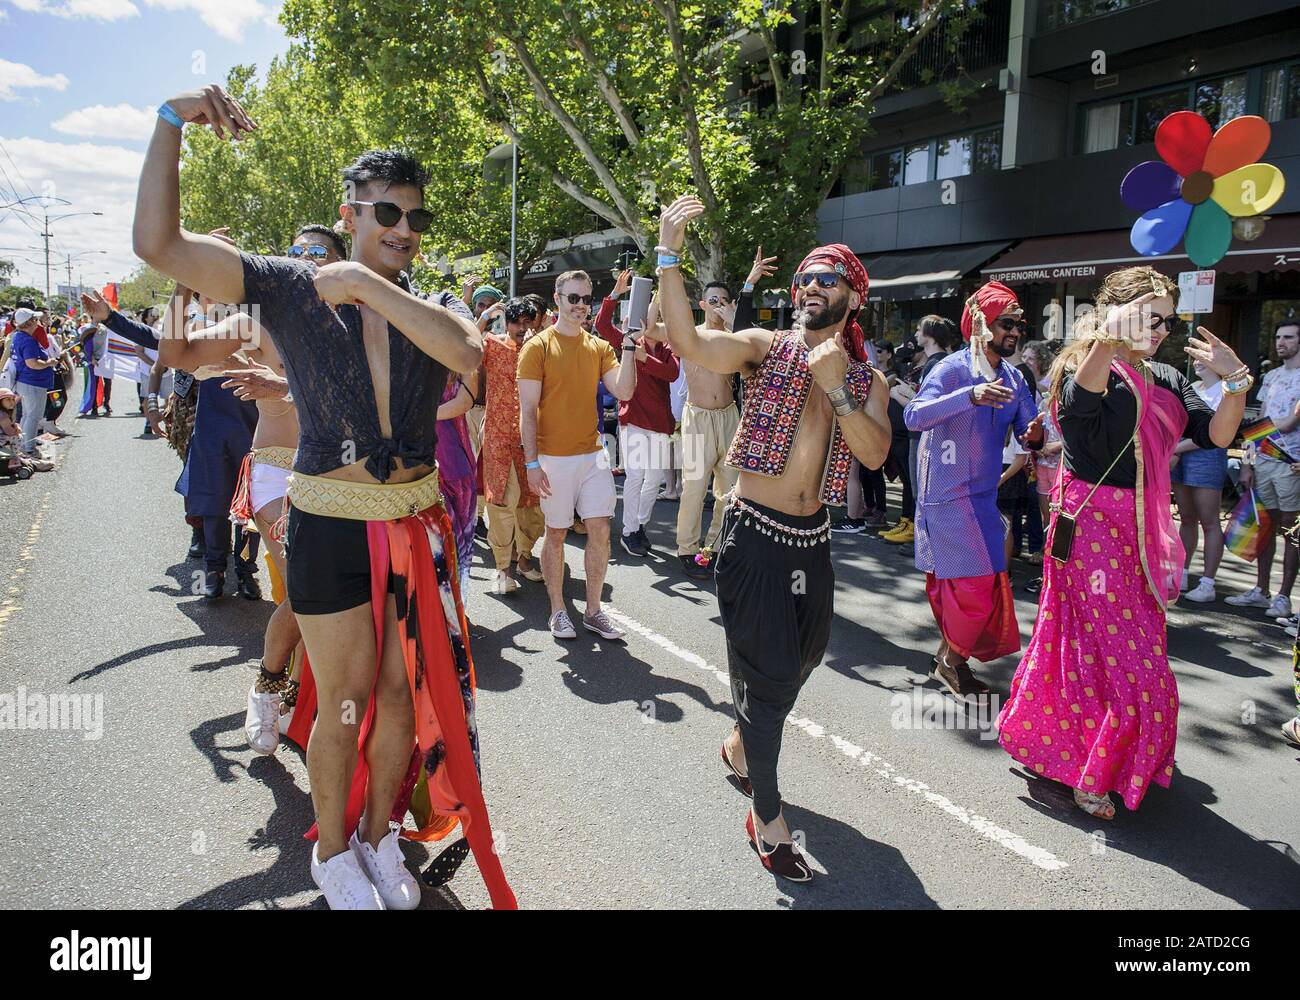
(873, 763)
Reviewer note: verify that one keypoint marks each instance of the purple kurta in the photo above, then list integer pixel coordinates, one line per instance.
(958, 529)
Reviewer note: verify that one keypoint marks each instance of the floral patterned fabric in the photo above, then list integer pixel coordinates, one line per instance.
(501, 443)
(775, 397)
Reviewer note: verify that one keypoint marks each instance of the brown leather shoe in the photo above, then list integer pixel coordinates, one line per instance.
(959, 680)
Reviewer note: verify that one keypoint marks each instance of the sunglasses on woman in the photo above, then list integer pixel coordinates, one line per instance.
(574, 298)
(388, 215)
(1168, 322)
(313, 250)
(1019, 325)
(824, 279)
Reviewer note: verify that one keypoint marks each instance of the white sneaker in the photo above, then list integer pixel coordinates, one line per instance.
(286, 720)
(533, 573)
(561, 627)
(503, 584)
(261, 721)
(1253, 598)
(387, 871)
(1202, 593)
(1280, 608)
(344, 883)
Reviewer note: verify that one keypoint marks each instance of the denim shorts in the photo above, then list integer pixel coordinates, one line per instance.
(1207, 467)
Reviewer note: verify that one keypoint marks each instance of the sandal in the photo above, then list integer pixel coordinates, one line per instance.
(1291, 730)
(1098, 806)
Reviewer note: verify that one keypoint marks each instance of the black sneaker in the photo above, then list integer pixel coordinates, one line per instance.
(850, 526)
(214, 586)
(1034, 586)
(632, 544)
(645, 542)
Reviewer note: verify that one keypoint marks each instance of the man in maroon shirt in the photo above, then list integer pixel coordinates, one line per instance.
(645, 423)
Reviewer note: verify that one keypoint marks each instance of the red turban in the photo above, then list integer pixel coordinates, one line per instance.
(993, 299)
(847, 265)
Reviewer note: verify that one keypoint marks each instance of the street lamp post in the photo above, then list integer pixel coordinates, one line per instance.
(498, 153)
(45, 229)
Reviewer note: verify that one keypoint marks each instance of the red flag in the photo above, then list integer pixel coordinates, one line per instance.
(110, 293)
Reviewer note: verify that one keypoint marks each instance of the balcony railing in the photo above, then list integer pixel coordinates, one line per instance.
(982, 45)
(1057, 14)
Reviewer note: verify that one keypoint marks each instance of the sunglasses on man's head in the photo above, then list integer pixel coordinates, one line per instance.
(574, 298)
(313, 250)
(1008, 324)
(387, 214)
(824, 279)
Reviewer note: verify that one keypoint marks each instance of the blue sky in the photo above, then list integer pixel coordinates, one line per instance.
(79, 84)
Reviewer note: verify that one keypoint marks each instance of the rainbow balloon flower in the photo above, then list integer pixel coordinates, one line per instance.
(1201, 183)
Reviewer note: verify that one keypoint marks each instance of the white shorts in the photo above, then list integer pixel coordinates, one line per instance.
(583, 483)
(268, 483)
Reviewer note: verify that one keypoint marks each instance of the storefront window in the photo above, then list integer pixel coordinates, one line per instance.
(1221, 100)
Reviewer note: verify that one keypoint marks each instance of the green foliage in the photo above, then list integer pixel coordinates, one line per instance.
(10, 294)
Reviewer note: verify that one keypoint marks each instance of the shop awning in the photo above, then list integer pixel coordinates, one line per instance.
(925, 274)
(1087, 256)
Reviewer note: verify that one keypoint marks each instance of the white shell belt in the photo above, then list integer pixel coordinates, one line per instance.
(802, 538)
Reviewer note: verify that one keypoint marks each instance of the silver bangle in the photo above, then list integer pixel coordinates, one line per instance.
(844, 409)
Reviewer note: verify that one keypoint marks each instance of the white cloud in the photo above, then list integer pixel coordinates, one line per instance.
(19, 76)
(121, 121)
(94, 177)
(98, 10)
(228, 18)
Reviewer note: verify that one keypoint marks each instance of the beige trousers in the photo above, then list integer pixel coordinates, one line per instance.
(706, 436)
(511, 528)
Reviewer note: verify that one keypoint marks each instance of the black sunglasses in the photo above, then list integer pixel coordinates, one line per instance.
(715, 300)
(311, 250)
(1168, 322)
(1019, 325)
(824, 279)
(387, 214)
(574, 298)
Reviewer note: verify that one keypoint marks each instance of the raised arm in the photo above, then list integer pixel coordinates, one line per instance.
(448, 337)
(717, 350)
(200, 262)
(189, 349)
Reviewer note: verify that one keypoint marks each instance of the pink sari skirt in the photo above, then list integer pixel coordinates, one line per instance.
(1093, 703)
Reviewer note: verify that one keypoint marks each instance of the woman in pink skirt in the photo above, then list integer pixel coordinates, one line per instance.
(1093, 703)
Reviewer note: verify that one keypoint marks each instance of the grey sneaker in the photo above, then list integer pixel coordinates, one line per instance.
(602, 626)
(561, 627)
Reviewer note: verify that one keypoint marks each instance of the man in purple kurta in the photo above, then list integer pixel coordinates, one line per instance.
(964, 409)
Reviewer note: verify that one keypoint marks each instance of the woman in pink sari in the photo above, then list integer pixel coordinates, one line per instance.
(1093, 703)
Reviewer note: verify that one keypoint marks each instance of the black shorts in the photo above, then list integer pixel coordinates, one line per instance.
(329, 563)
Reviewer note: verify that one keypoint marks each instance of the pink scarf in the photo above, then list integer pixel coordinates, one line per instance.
(1161, 420)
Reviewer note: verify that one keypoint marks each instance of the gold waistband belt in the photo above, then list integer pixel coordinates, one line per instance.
(281, 458)
(363, 501)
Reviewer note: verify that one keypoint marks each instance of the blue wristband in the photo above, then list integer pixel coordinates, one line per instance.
(532, 465)
(667, 260)
(166, 113)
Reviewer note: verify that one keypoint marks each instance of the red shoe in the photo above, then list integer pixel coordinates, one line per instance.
(745, 787)
(781, 860)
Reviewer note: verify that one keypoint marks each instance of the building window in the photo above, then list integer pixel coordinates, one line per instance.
(1221, 100)
(1152, 109)
(988, 151)
(1280, 93)
(916, 164)
(1108, 126)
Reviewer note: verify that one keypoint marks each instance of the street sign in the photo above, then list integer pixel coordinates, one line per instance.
(1195, 292)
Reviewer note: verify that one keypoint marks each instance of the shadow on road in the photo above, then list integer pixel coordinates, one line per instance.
(1175, 828)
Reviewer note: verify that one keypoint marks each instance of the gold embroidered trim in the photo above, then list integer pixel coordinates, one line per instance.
(363, 501)
(281, 458)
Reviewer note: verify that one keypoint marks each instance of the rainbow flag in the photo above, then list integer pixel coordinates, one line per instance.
(1270, 449)
(1247, 522)
(1259, 430)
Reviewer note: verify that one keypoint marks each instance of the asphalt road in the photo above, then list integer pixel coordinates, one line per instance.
(600, 761)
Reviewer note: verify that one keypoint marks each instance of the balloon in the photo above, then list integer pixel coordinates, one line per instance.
(1249, 190)
(1209, 234)
(1159, 230)
(1149, 185)
(1239, 142)
(1182, 139)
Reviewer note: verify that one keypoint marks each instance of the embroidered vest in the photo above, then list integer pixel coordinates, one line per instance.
(775, 396)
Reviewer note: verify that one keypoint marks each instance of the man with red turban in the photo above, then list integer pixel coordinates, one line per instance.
(964, 410)
(812, 405)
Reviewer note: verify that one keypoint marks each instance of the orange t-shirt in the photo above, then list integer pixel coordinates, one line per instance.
(568, 368)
